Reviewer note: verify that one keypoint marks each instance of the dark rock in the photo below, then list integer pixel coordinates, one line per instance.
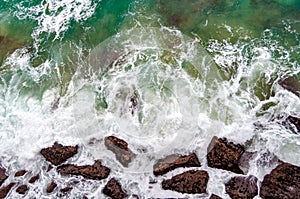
(242, 187)
(114, 189)
(213, 196)
(50, 167)
(58, 153)
(224, 155)
(66, 189)
(20, 173)
(5, 190)
(291, 84)
(51, 187)
(95, 171)
(192, 182)
(3, 175)
(120, 148)
(295, 121)
(34, 179)
(22, 189)
(244, 161)
(282, 182)
(172, 162)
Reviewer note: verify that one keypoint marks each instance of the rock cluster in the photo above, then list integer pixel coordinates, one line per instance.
(114, 189)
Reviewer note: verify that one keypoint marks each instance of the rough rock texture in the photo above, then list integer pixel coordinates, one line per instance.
(172, 162)
(20, 173)
(51, 187)
(213, 196)
(95, 171)
(192, 182)
(295, 121)
(242, 187)
(5, 190)
(34, 179)
(66, 189)
(291, 84)
(282, 182)
(114, 189)
(22, 189)
(224, 155)
(120, 148)
(3, 175)
(58, 154)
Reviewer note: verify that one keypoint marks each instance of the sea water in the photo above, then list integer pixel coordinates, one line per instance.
(164, 75)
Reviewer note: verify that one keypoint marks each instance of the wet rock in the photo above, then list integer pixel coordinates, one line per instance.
(58, 154)
(114, 189)
(120, 148)
(213, 196)
(282, 182)
(192, 182)
(22, 189)
(95, 171)
(242, 187)
(172, 162)
(51, 187)
(20, 173)
(225, 155)
(244, 161)
(66, 189)
(295, 121)
(50, 167)
(5, 190)
(291, 84)
(34, 179)
(3, 175)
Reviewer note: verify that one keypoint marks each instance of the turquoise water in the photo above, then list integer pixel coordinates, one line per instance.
(69, 70)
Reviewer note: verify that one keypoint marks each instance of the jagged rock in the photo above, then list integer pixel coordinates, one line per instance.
(224, 155)
(3, 175)
(242, 187)
(172, 162)
(95, 171)
(58, 154)
(282, 182)
(213, 196)
(34, 179)
(291, 84)
(51, 187)
(120, 148)
(5, 190)
(192, 182)
(114, 189)
(66, 189)
(22, 189)
(295, 121)
(20, 173)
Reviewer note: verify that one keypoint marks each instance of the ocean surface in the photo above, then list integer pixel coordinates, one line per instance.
(164, 75)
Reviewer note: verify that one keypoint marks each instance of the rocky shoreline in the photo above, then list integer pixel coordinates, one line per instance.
(282, 182)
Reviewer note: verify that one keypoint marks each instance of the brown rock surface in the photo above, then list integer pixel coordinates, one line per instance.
(20, 173)
(192, 182)
(224, 155)
(22, 189)
(242, 187)
(291, 84)
(114, 189)
(95, 171)
(282, 182)
(120, 148)
(33, 179)
(51, 187)
(66, 189)
(213, 196)
(5, 190)
(3, 175)
(172, 162)
(58, 153)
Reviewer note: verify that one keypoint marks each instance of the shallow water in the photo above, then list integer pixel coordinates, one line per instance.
(164, 75)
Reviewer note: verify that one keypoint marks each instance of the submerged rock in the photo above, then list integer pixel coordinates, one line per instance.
(51, 187)
(120, 148)
(174, 161)
(224, 155)
(22, 189)
(213, 196)
(282, 182)
(94, 172)
(114, 189)
(33, 179)
(291, 84)
(3, 175)
(58, 154)
(6, 189)
(242, 187)
(20, 173)
(192, 182)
